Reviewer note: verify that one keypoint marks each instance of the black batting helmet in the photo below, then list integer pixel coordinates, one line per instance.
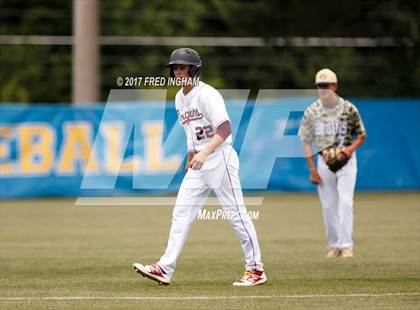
(185, 56)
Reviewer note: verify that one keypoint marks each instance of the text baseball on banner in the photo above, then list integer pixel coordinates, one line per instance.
(139, 147)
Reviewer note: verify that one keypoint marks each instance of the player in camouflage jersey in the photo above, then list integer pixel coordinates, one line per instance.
(331, 123)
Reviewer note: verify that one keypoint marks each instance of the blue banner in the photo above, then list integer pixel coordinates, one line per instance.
(53, 150)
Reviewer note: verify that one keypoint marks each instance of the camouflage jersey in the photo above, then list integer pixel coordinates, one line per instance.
(331, 127)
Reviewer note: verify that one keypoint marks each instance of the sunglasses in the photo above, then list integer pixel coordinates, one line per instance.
(323, 85)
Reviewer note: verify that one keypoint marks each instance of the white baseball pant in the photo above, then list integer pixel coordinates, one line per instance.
(336, 196)
(220, 173)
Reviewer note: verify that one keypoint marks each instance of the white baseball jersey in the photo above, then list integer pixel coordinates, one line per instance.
(200, 112)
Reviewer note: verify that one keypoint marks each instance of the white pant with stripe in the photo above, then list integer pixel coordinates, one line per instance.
(219, 173)
(336, 195)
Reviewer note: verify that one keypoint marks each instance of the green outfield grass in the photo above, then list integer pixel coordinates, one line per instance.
(50, 248)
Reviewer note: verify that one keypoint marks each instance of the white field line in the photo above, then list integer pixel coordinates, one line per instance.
(151, 201)
(310, 296)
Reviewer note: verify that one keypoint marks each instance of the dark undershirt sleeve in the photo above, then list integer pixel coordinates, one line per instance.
(224, 130)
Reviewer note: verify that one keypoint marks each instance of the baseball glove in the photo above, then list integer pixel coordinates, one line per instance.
(335, 158)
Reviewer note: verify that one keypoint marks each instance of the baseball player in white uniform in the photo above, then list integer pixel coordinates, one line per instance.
(334, 125)
(212, 164)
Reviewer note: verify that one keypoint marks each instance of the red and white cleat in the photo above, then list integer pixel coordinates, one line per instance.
(333, 252)
(153, 272)
(251, 278)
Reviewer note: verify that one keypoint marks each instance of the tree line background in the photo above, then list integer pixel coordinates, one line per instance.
(42, 73)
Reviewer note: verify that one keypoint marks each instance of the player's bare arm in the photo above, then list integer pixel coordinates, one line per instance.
(222, 132)
(190, 156)
(314, 176)
(355, 145)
